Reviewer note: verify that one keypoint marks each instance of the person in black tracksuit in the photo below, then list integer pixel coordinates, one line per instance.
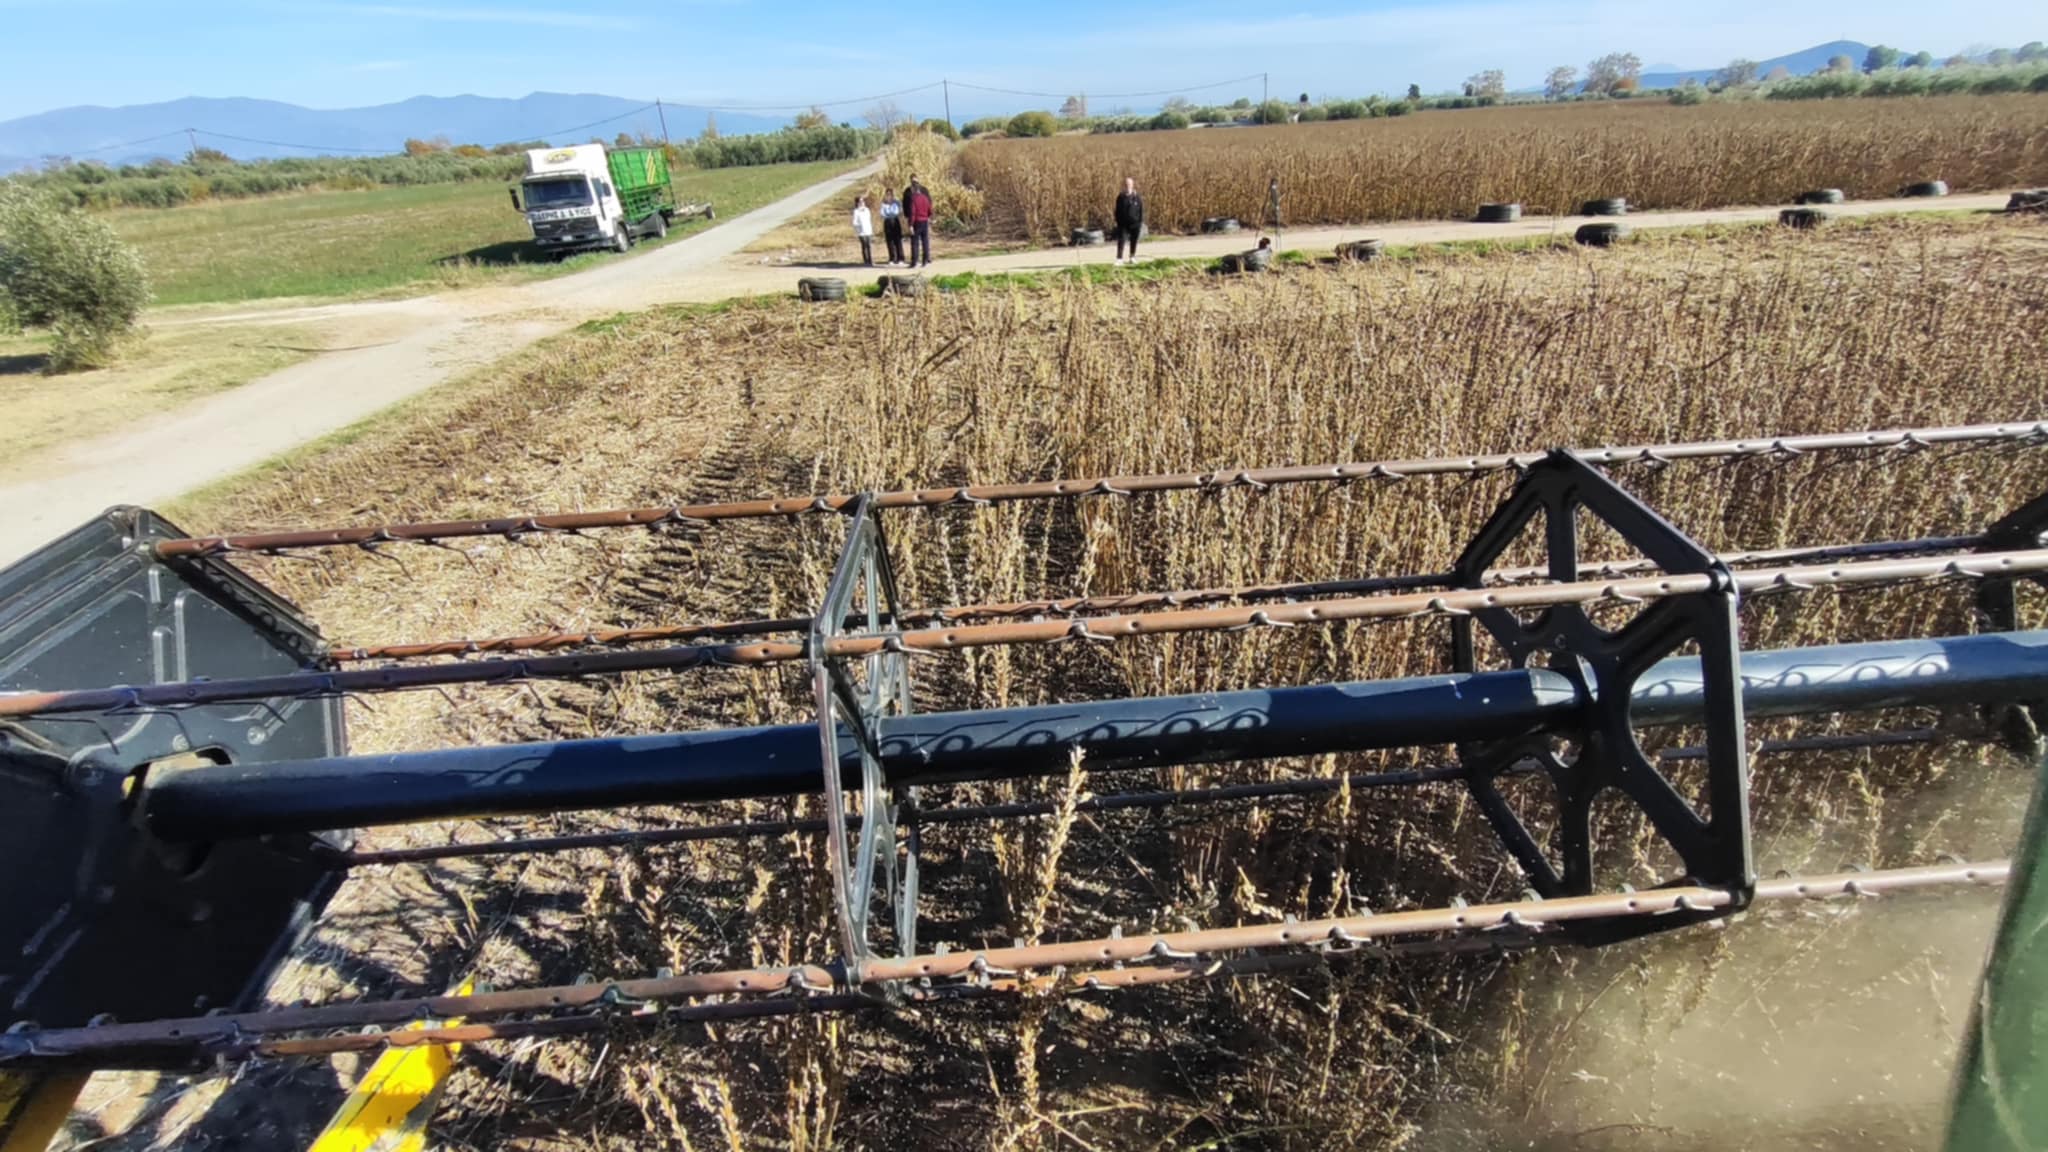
(1130, 219)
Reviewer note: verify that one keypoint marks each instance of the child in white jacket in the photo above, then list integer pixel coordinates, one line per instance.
(864, 230)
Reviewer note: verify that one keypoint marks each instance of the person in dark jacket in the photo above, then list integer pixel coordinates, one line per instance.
(1130, 219)
(917, 213)
(892, 227)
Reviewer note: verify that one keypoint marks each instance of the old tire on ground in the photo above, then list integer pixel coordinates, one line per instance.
(1925, 188)
(1802, 217)
(1220, 224)
(1819, 196)
(2034, 200)
(1601, 235)
(1361, 250)
(1608, 206)
(1257, 260)
(1085, 237)
(893, 285)
(1499, 213)
(819, 289)
(1231, 263)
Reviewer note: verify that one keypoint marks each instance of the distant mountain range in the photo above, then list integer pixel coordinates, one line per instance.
(1801, 63)
(250, 129)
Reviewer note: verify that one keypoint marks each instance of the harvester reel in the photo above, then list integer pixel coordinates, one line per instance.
(172, 753)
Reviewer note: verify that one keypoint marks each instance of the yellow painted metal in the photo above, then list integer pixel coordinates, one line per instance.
(34, 1105)
(390, 1107)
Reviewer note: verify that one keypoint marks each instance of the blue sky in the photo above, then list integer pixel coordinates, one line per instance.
(341, 53)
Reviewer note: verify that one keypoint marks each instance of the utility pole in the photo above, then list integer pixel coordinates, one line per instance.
(666, 147)
(1264, 95)
(946, 86)
(192, 157)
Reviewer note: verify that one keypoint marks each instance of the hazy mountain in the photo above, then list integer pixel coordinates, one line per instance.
(269, 128)
(1801, 63)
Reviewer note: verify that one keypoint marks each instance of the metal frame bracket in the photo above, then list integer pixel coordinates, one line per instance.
(1603, 666)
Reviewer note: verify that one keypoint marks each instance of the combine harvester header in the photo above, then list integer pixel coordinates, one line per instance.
(172, 735)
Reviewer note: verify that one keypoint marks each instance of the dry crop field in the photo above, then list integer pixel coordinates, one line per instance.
(1672, 338)
(1442, 165)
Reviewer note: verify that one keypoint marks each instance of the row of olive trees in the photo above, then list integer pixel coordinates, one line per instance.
(67, 273)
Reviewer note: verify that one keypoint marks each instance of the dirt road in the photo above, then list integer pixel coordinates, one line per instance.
(396, 349)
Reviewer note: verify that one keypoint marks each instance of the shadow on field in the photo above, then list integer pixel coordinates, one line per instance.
(31, 364)
(503, 254)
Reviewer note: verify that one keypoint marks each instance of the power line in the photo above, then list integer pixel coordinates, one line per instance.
(811, 104)
(112, 147)
(595, 123)
(289, 144)
(1110, 95)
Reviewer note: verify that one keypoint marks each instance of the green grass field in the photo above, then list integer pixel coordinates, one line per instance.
(352, 243)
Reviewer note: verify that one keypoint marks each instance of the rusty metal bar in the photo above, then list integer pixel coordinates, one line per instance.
(565, 1009)
(1097, 628)
(1912, 439)
(1127, 602)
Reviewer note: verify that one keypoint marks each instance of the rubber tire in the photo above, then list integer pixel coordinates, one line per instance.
(1819, 196)
(710, 213)
(2034, 200)
(1221, 224)
(821, 289)
(660, 226)
(1085, 237)
(1257, 260)
(1601, 235)
(1498, 213)
(1231, 264)
(1608, 206)
(1925, 188)
(1361, 251)
(894, 285)
(1802, 217)
(622, 240)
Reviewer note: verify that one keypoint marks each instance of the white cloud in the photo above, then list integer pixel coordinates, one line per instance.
(540, 17)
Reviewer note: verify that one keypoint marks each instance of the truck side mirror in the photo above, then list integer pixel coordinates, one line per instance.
(515, 199)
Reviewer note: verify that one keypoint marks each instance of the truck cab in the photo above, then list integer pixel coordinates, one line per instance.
(571, 203)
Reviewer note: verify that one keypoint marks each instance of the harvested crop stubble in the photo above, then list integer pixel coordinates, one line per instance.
(1669, 338)
(1552, 159)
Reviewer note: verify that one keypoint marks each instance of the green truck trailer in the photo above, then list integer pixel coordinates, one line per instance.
(591, 196)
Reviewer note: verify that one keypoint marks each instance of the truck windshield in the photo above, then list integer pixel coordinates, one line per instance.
(571, 193)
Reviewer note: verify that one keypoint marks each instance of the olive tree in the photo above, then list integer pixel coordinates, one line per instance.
(67, 272)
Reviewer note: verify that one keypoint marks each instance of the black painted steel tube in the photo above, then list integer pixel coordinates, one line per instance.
(686, 767)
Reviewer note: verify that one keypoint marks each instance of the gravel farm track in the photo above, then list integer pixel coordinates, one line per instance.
(389, 350)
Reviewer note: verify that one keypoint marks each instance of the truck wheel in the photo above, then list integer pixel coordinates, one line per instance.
(622, 241)
(710, 213)
(660, 226)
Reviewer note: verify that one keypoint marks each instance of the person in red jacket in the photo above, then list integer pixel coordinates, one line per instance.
(917, 212)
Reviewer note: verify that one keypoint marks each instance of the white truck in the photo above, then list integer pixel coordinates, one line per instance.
(589, 196)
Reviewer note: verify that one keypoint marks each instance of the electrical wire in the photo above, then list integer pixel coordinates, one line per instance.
(801, 107)
(288, 144)
(1108, 95)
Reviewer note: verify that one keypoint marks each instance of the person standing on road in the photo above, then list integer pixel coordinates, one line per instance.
(1130, 219)
(917, 206)
(864, 230)
(892, 227)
